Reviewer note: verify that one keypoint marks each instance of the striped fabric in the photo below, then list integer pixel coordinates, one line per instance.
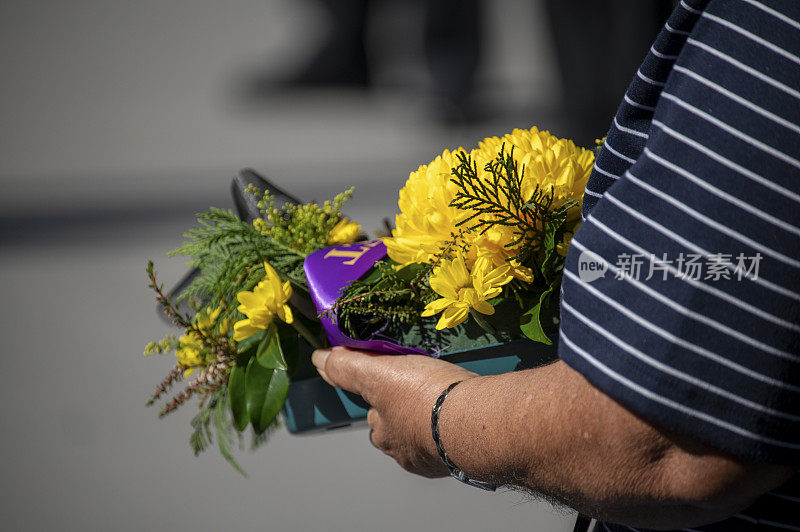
(693, 214)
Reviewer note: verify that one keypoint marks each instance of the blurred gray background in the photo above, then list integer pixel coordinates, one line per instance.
(119, 121)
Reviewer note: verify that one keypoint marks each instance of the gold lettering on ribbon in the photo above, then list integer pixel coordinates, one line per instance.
(352, 254)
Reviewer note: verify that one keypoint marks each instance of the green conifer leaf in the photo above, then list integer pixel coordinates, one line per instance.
(238, 398)
(225, 434)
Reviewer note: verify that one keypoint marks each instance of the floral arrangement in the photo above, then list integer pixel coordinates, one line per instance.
(475, 258)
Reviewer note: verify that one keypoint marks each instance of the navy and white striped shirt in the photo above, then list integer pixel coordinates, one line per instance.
(693, 213)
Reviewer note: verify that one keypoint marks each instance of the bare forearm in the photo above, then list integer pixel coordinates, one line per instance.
(551, 431)
(548, 430)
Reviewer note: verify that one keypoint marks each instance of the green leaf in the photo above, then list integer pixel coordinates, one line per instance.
(249, 343)
(269, 352)
(410, 271)
(201, 437)
(531, 325)
(290, 346)
(256, 381)
(238, 398)
(266, 391)
(277, 391)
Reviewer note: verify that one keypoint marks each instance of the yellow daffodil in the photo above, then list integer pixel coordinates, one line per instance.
(266, 301)
(344, 232)
(462, 290)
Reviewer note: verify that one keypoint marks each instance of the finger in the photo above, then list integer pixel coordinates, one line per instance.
(350, 370)
(373, 418)
(318, 358)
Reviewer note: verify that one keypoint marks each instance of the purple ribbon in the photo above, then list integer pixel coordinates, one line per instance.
(328, 272)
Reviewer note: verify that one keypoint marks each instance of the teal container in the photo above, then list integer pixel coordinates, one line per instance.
(313, 405)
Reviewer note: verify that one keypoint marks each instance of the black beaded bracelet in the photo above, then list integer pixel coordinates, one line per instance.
(454, 471)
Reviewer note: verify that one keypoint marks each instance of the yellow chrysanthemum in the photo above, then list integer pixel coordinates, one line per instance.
(550, 163)
(492, 244)
(462, 290)
(266, 301)
(426, 220)
(344, 232)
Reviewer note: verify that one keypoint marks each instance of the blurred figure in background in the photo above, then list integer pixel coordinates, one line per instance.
(597, 45)
(452, 41)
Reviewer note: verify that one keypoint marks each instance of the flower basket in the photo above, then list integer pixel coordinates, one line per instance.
(470, 273)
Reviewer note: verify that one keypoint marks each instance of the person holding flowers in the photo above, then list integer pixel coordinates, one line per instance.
(676, 400)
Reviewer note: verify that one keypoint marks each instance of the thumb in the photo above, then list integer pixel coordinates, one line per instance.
(350, 370)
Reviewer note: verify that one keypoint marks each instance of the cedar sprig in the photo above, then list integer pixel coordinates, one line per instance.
(496, 199)
(230, 254)
(214, 420)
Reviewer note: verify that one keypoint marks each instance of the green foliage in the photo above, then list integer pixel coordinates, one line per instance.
(259, 382)
(389, 302)
(247, 346)
(244, 383)
(290, 349)
(269, 352)
(265, 393)
(231, 254)
(226, 433)
(211, 421)
(305, 228)
(237, 394)
(530, 322)
(536, 223)
(386, 300)
(253, 396)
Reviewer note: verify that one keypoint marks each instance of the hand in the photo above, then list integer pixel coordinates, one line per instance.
(401, 389)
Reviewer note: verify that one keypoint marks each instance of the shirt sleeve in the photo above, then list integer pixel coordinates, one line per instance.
(681, 293)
